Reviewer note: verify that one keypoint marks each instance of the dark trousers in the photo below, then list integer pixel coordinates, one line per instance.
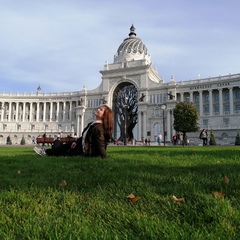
(205, 141)
(65, 150)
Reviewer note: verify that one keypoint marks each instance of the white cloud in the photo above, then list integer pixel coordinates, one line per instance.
(62, 45)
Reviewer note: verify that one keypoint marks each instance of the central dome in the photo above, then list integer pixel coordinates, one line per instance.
(132, 48)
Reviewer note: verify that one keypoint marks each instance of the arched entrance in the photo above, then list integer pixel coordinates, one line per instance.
(125, 98)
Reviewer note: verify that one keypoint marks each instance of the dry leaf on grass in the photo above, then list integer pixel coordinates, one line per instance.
(132, 198)
(63, 183)
(226, 180)
(175, 199)
(219, 194)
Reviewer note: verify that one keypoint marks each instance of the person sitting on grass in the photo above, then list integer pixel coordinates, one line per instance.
(94, 140)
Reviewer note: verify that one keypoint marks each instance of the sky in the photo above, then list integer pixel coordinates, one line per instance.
(61, 45)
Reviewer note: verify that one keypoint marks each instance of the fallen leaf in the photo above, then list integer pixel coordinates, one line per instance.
(175, 199)
(63, 183)
(131, 196)
(226, 180)
(219, 194)
(135, 199)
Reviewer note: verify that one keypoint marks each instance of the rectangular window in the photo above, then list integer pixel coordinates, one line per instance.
(227, 96)
(207, 98)
(226, 121)
(238, 95)
(196, 99)
(216, 109)
(205, 123)
(216, 97)
(227, 109)
(237, 107)
(206, 110)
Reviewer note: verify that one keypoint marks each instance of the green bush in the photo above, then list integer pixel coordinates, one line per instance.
(237, 140)
(212, 139)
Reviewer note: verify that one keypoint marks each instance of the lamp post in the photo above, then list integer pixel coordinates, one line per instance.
(163, 107)
(125, 125)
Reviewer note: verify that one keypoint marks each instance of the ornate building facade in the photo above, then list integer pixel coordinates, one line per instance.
(217, 100)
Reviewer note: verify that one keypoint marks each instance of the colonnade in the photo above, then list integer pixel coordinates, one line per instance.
(38, 111)
(225, 100)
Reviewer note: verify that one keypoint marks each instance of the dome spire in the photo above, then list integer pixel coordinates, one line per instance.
(132, 32)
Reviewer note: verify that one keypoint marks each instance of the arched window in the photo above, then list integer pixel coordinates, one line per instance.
(224, 135)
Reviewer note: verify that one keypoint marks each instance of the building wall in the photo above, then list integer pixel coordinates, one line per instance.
(217, 100)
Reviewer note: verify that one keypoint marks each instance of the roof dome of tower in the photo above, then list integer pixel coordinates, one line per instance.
(132, 48)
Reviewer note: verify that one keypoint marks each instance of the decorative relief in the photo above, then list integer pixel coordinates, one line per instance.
(135, 78)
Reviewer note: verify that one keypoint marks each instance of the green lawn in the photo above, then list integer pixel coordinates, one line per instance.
(94, 203)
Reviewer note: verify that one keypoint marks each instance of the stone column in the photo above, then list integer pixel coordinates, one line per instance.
(44, 111)
(30, 114)
(64, 111)
(200, 103)
(57, 112)
(10, 112)
(17, 107)
(231, 99)
(70, 111)
(220, 102)
(191, 97)
(24, 112)
(37, 117)
(182, 97)
(51, 111)
(2, 111)
(210, 103)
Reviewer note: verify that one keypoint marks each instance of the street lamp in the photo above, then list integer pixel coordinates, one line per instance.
(125, 125)
(163, 107)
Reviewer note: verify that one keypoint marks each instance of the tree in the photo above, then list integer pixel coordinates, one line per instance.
(126, 109)
(237, 140)
(185, 118)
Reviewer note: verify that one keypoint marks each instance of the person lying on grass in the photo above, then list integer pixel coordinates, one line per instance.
(94, 140)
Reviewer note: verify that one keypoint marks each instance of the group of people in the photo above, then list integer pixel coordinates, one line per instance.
(93, 142)
(205, 136)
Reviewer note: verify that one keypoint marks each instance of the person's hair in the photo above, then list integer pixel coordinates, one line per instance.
(107, 120)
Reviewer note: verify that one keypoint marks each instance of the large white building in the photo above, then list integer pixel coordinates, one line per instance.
(217, 100)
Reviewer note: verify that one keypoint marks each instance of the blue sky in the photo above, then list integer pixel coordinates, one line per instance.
(62, 45)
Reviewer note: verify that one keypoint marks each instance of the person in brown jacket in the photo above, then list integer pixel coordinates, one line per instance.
(94, 140)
